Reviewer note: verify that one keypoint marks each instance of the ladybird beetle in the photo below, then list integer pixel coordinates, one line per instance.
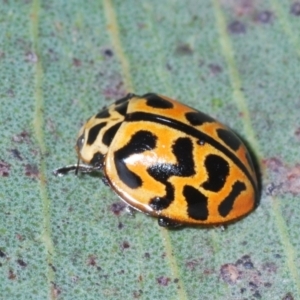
(168, 160)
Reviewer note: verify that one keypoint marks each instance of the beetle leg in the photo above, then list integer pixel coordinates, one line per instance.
(81, 168)
(105, 181)
(166, 222)
(130, 210)
(223, 227)
(64, 170)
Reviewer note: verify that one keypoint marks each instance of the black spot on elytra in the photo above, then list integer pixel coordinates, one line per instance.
(226, 205)
(97, 159)
(218, 170)
(159, 203)
(229, 138)
(102, 114)
(198, 118)
(183, 151)
(122, 109)
(155, 101)
(110, 134)
(126, 98)
(196, 203)
(93, 133)
(139, 143)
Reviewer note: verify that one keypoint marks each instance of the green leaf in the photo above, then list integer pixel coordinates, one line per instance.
(60, 62)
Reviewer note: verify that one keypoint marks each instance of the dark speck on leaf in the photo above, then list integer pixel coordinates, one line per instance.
(264, 17)
(92, 260)
(10, 93)
(32, 171)
(237, 27)
(297, 134)
(125, 245)
(270, 267)
(184, 49)
(246, 262)
(16, 154)
(248, 265)
(295, 9)
(253, 285)
(31, 57)
(22, 263)
(2, 254)
(288, 296)
(11, 275)
(108, 53)
(52, 267)
(229, 273)
(193, 264)
(76, 62)
(267, 284)
(215, 69)
(169, 67)
(55, 290)
(4, 169)
(257, 295)
(22, 137)
(164, 281)
(117, 207)
(137, 294)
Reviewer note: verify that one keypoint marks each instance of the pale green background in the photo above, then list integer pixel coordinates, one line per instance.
(60, 62)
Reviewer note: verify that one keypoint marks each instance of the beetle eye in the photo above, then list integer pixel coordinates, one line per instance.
(80, 142)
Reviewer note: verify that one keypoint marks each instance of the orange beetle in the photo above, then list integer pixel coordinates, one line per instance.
(169, 160)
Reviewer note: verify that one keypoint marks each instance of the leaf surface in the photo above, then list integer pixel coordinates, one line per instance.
(70, 238)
